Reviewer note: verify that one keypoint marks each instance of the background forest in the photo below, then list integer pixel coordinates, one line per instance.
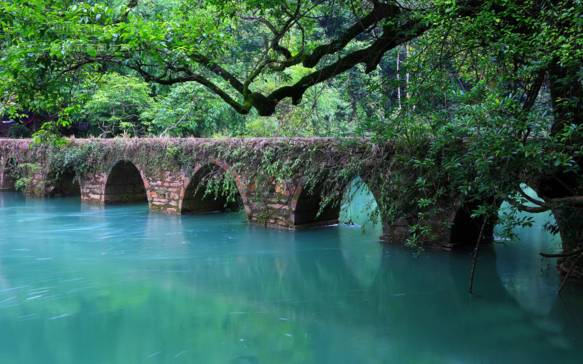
(111, 100)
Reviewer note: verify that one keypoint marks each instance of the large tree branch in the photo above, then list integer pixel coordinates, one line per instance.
(530, 199)
(573, 201)
(561, 255)
(401, 26)
(533, 90)
(380, 12)
(402, 29)
(219, 71)
(369, 56)
(530, 209)
(568, 201)
(274, 44)
(194, 77)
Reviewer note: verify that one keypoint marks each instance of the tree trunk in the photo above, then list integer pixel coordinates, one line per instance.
(570, 222)
(399, 78)
(567, 101)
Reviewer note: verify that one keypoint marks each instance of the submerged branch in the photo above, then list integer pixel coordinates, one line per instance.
(475, 255)
(561, 255)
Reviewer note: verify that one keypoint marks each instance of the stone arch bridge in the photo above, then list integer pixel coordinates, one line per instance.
(167, 173)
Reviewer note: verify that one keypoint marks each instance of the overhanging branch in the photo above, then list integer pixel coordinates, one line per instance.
(400, 26)
(194, 77)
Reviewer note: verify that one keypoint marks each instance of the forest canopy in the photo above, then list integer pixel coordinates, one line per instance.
(355, 57)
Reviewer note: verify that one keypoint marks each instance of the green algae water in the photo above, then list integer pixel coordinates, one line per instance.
(84, 285)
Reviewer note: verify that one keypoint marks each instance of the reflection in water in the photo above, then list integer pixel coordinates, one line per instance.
(363, 260)
(528, 277)
(360, 214)
(121, 285)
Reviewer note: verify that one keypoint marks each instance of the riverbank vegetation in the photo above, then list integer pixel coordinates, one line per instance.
(477, 97)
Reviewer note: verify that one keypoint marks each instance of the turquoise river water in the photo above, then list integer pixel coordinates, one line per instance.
(84, 285)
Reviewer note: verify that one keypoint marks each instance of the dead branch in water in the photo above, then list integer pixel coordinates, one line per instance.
(475, 256)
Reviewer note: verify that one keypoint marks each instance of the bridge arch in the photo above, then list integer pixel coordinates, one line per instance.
(64, 183)
(195, 198)
(305, 207)
(125, 183)
(465, 229)
(360, 204)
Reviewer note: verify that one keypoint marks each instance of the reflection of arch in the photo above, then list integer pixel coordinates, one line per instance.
(327, 267)
(125, 184)
(66, 183)
(7, 174)
(195, 198)
(361, 253)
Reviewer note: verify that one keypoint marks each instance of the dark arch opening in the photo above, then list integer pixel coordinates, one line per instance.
(124, 184)
(66, 184)
(465, 230)
(310, 211)
(328, 204)
(222, 196)
(9, 175)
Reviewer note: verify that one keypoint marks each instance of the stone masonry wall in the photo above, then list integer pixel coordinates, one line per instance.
(162, 177)
(4, 183)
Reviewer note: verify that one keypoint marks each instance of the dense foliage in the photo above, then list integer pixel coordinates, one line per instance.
(55, 50)
(479, 97)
